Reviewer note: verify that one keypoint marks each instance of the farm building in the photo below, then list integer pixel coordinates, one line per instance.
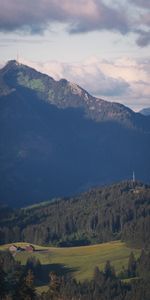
(13, 248)
(29, 248)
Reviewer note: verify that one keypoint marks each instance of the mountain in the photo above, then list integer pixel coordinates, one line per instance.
(57, 140)
(119, 211)
(145, 111)
(64, 94)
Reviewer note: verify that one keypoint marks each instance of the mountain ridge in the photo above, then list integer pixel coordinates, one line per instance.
(65, 94)
(145, 111)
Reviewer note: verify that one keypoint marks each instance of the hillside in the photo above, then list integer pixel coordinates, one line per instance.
(76, 272)
(79, 261)
(57, 140)
(120, 211)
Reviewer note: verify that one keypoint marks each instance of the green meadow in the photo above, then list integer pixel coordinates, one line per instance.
(80, 261)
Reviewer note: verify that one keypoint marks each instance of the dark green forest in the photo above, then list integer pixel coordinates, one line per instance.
(120, 211)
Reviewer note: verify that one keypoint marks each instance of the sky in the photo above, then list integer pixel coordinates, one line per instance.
(102, 45)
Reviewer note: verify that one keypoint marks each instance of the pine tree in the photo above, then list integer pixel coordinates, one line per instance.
(54, 287)
(25, 288)
(132, 265)
(109, 270)
(3, 289)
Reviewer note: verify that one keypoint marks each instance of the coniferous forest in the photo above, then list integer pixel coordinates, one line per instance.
(120, 211)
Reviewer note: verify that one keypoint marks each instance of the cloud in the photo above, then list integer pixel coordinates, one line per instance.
(80, 15)
(141, 3)
(143, 38)
(143, 22)
(10, 41)
(124, 80)
(90, 76)
(101, 17)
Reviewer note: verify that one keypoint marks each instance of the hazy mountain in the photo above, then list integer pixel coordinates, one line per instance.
(145, 111)
(56, 139)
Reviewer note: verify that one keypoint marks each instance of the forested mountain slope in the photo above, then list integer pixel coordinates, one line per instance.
(120, 211)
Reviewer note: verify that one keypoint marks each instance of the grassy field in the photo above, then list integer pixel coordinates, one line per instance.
(79, 260)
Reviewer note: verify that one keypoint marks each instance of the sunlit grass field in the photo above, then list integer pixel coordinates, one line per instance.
(80, 261)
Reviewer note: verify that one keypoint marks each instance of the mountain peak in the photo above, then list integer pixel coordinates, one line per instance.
(12, 63)
(63, 94)
(11, 69)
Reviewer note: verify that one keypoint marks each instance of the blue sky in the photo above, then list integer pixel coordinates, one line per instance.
(102, 45)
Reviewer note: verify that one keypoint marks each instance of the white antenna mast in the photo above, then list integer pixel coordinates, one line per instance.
(18, 56)
(133, 177)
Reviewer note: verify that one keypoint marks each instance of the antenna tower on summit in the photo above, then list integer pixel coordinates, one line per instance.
(133, 179)
(18, 57)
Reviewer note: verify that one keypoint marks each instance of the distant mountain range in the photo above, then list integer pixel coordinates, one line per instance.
(57, 140)
(145, 111)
